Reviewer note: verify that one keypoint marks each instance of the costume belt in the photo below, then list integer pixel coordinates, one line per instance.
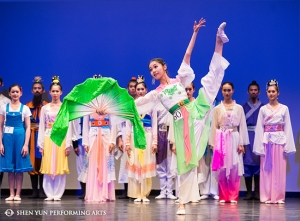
(251, 128)
(273, 128)
(178, 105)
(99, 123)
(232, 128)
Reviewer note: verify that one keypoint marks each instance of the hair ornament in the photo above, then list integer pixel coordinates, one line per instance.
(55, 80)
(97, 76)
(140, 79)
(272, 82)
(133, 78)
(37, 79)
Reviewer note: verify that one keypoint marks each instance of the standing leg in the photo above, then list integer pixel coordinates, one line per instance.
(41, 190)
(34, 183)
(83, 186)
(11, 184)
(1, 178)
(19, 181)
(59, 186)
(248, 182)
(162, 174)
(256, 187)
(223, 187)
(233, 185)
(48, 187)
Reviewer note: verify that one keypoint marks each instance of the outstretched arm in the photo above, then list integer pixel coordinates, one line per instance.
(188, 53)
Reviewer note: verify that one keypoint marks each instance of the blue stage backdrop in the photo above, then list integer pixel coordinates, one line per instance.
(117, 38)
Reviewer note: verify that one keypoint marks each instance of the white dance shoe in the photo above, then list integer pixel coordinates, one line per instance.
(180, 211)
(146, 200)
(203, 197)
(161, 196)
(171, 196)
(138, 200)
(221, 33)
(48, 199)
(215, 197)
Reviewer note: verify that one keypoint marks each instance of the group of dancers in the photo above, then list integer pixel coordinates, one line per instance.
(200, 143)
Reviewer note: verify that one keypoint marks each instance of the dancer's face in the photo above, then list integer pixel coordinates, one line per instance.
(157, 70)
(15, 93)
(227, 91)
(55, 92)
(37, 89)
(131, 88)
(253, 91)
(272, 93)
(190, 91)
(141, 90)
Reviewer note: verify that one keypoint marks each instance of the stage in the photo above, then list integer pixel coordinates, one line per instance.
(71, 208)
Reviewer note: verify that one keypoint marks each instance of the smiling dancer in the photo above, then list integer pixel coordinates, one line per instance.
(171, 93)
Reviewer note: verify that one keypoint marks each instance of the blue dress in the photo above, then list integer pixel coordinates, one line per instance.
(13, 141)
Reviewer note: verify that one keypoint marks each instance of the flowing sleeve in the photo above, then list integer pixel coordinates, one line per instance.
(113, 134)
(128, 132)
(243, 131)
(258, 146)
(211, 82)
(289, 147)
(185, 74)
(171, 137)
(69, 136)
(154, 126)
(42, 128)
(148, 102)
(213, 127)
(85, 130)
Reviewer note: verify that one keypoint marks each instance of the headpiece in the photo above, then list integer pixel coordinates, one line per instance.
(55, 80)
(140, 79)
(37, 79)
(97, 76)
(272, 82)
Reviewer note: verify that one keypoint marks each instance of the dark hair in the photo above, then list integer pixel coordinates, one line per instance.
(1, 82)
(273, 82)
(160, 61)
(55, 84)
(132, 80)
(193, 85)
(143, 83)
(38, 83)
(228, 82)
(14, 85)
(254, 83)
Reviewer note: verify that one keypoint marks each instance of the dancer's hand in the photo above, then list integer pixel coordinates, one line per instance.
(77, 151)
(24, 151)
(111, 147)
(101, 111)
(67, 151)
(86, 148)
(241, 149)
(2, 149)
(173, 149)
(199, 25)
(154, 148)
(128, 150)
(41, 151)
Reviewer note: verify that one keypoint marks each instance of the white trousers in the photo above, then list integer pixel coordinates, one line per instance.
(208, 184)
(54, 188)
(188, 187)
(165, 176)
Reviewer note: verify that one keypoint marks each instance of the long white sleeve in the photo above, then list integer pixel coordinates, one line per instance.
(147, 103)
(214, 126)
(128, 132)
(258, 146)
(85, 130)
(69, 136)
(154, 126)
(289, 147)
(42, 128)
(113, 134)
(185, 74)
(211, 82)
(243, 131)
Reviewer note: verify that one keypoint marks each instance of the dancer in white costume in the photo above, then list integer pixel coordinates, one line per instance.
(171, 92)
(164, 154)
(55, 159)
(123, 173)
(141, 164)
(78, 150)
(208, 184)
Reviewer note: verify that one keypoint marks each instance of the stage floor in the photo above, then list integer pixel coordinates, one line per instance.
(71, 208)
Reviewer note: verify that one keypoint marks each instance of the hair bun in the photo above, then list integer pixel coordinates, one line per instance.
(140, 79)
(55, 80)
(272, 82)
(37, 79)
(97, 76)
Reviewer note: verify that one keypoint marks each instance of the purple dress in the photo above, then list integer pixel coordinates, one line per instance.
(251, 160)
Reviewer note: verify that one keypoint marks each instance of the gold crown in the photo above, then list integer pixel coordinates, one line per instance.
(140, 79)
(55, 80)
